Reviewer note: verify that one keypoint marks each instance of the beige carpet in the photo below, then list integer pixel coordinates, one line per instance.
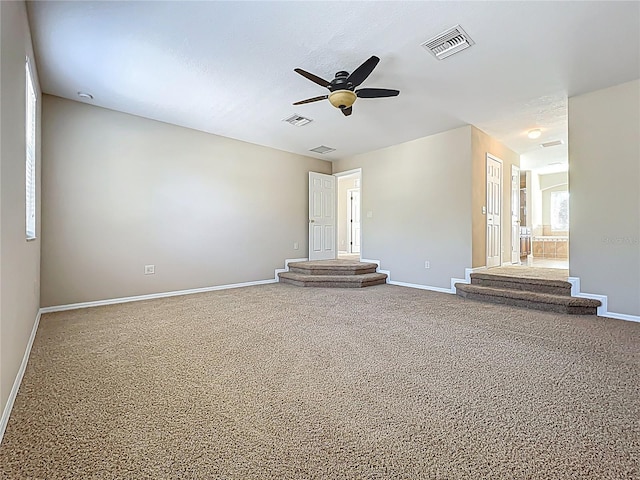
(280, 382)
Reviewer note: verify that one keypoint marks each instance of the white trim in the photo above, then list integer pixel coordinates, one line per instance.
(16, 384)
(151, 296)
(346, 173)
(422, 287)
(377, 262)
(287, 261)
(602, 309)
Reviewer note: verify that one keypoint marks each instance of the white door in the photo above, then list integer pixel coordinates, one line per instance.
(322, 218)
(353, 200)
(494, 208)
(515, 214)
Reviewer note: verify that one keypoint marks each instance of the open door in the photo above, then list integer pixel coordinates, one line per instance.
(494, 209)
(322, 216)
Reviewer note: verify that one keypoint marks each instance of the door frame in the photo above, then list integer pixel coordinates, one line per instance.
(486, 230)
(348, 173)
(515, 227)
(350, 236)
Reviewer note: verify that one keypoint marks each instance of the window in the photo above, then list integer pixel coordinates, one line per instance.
(30, 130)
(560, 211)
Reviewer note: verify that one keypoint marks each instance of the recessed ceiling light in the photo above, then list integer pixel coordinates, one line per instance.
(85, 95)
(535, 133)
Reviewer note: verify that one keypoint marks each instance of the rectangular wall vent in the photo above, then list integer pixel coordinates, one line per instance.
(449, 42)
(297, 120)
(554, 143)
(323, 149)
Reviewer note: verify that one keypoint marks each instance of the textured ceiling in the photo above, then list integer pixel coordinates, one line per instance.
(227, 67)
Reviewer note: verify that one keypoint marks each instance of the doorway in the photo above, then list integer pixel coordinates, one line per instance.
(544, 207)
(349, 234)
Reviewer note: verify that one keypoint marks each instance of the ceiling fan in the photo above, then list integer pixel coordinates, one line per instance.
(342, 87)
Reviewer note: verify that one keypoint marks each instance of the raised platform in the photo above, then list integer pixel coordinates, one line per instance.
(333, 273)
(539, 289)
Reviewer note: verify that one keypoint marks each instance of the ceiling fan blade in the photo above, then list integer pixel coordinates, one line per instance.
(314, 78)
(314, 99)
(347, 111)
(361, 73)
(376, 93)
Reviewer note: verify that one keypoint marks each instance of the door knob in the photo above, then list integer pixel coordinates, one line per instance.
(311, 221)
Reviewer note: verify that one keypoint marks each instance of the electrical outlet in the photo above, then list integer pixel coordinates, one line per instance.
(149, 269)
(295, 245)
(427, 264)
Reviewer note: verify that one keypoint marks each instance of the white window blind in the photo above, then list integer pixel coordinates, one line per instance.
(30, 129)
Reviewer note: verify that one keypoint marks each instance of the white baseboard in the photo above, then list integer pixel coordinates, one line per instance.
(603, 310)
(4, 420)
(377, 262)
(151, 296)
(287, 261)
(422, 287)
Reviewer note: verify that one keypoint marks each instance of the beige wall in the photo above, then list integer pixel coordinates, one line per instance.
(419, 197)
(19, 259)
(481, 145)
(121, 191)
(604, 181)
(344, 184)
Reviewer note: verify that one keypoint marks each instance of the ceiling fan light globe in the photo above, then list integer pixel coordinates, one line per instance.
(342, 98)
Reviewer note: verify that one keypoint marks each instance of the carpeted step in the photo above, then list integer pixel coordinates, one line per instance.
(337, 281)
(537, 301)
(333, 267)
(535, 285)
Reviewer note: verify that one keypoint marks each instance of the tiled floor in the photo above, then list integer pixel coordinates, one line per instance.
(546, 262)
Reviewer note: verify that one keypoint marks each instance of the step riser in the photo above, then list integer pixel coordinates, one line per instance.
(522, 287)
(332, 284)
(317, 271)
(567, 309)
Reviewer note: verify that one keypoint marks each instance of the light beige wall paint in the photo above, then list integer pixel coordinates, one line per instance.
(481, 145)
(536, 203)
(553, 180)
(120, 192)
(419, 196)
(604, 181)
(19, 259)
(344, 184)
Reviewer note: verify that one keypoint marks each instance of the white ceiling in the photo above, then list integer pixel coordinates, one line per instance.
(227, 67)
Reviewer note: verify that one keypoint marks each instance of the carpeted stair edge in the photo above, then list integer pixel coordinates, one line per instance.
(336, 281)
(538, 301)
(522, 280)
(554, 287)
(330, 268)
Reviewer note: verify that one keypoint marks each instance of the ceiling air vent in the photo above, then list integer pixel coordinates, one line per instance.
(551, 144)
(297, 120)
(449, 42)
(323, 149)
